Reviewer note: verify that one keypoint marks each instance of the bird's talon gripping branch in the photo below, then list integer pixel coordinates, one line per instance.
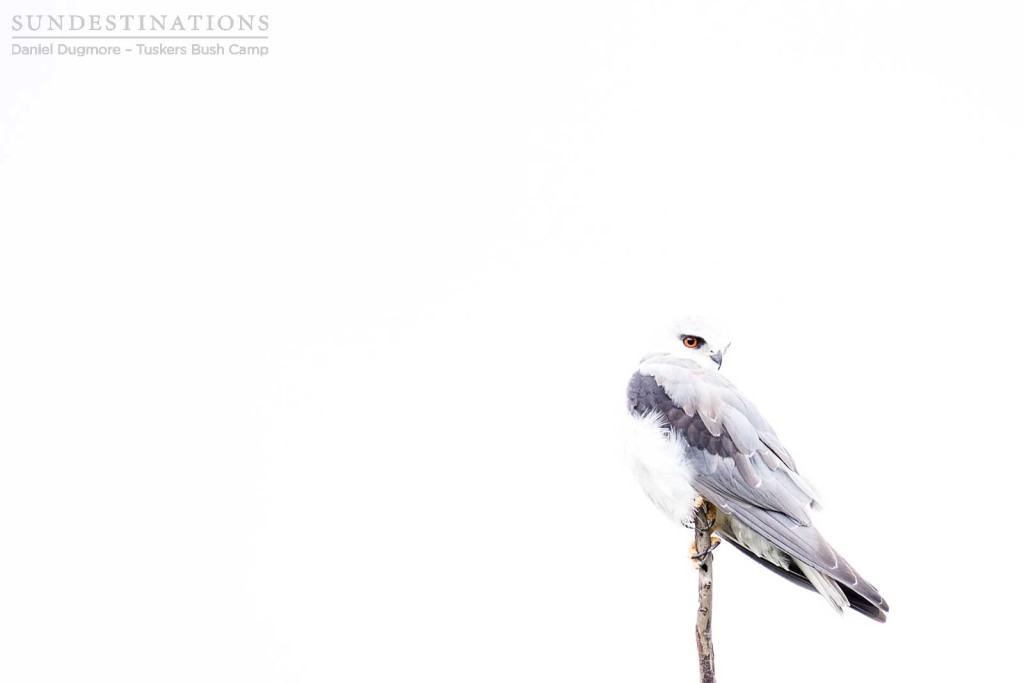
(709, 512)
(711, 524)
(700, 557)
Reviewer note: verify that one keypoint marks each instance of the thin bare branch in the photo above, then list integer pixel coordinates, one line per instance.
(704, 518)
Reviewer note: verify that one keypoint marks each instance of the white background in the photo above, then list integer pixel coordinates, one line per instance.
(312, 366)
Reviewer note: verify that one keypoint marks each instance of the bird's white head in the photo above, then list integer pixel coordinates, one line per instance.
(699, 340)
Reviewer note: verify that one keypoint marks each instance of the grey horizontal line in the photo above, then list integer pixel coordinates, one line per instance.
(140, 37)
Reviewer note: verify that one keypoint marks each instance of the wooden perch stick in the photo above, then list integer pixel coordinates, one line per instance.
(703, 519)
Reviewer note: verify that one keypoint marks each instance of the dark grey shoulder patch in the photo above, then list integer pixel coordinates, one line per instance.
(644, 395)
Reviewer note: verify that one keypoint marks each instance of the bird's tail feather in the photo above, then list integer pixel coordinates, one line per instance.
(855, 600)
(825, 585)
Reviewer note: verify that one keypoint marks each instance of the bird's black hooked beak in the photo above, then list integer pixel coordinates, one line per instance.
(717, 357)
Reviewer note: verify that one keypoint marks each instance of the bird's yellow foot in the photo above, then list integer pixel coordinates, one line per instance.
(709, 511)
(698, 558)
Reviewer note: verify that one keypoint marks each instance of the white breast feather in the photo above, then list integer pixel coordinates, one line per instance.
(657, 459)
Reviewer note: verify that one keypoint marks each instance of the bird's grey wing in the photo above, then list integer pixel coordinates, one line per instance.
(728, 444)
(737, 462)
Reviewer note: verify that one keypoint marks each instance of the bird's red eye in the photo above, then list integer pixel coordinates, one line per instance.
(690, 342)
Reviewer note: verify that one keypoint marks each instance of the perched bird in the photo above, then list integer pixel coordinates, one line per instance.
(696, 436)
